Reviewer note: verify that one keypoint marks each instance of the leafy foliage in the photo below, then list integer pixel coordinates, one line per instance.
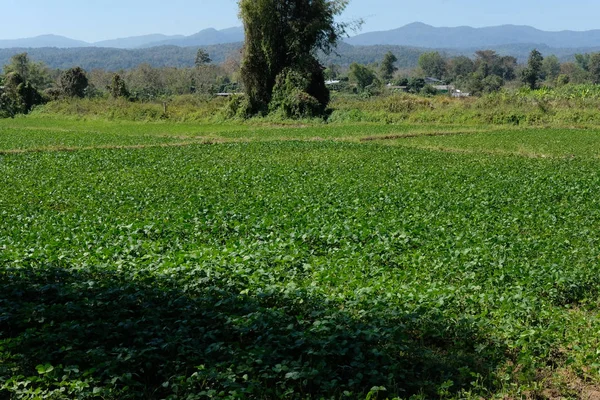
(488, 62)
(202, 58)
(433, 65)
(291, 268)
(362, 76)
(116, 60)
(292, 94)
(36, 73)
(551, 67)
(73, 82)
(286, 34)
(594, 67)
(388, 67)
(118, 88)
(533, 73)
(461, 66)
(18, 96)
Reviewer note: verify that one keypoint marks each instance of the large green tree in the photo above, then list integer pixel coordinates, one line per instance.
(594, 68)
(73, 82)
(388, 66)
(18, 96)
(361, 75)
(583, 61)
(282, 37)
(460, 66)
(532, 75)
(332, 71)
(551, 67)
(117, 87)
(35, 73)
(433, 64)
(202, 58)
(488, 62)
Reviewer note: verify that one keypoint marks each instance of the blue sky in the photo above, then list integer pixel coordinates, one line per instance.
(94, 20)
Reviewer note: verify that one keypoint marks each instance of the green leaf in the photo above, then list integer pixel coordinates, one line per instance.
(293, 375)
(44, 369)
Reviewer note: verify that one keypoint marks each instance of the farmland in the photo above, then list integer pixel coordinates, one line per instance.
(253, 260)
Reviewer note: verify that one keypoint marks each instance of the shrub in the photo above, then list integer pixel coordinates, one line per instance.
(429, 90)
(18, 96)
(5, 105)
(291, 95)
(73, 82)
(118, 88)
(52, 94)
(237, 107)
(562, 80)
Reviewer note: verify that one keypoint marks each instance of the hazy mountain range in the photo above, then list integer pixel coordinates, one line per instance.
(413, 35)
(407, 43)
(203, 38)
(422, 35)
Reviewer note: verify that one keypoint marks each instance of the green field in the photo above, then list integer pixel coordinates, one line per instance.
(189, 261)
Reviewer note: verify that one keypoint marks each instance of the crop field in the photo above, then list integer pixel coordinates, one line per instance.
(187, 261)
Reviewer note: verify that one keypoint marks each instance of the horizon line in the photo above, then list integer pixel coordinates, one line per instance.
(241, 26)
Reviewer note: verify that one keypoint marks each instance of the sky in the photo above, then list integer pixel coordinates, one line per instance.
(95, 20)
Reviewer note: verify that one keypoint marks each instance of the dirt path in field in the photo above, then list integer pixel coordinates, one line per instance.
(491, 152)
(388, 139)
(213, 141)
(110, 147)
(422, 134)
(195, 140)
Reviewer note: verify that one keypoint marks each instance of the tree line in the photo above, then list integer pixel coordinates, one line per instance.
(298, 88)
(488, 71)
(25, 83)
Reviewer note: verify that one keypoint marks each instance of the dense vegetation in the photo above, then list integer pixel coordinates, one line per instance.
(279, 70)
(152, 264)
(570, 105)
(109, 59)
(382, 235)
(488, 72)
(91, 58)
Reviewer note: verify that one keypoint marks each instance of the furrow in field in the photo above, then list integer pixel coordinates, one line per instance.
(107, 147)
(420, 134)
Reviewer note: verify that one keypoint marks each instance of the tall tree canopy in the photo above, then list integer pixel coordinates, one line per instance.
(388, 67)
(17, 96)
(583, 60)
(533, 73)
(433, 64)
(363, 76)
(461, 66)
(551, 67)
(594, 67)
(202, 58)
(73, 82)
(36, 73)
(488, 63)
(283, 36)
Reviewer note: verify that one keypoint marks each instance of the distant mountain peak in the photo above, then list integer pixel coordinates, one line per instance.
(205, 37)
(48, 40)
